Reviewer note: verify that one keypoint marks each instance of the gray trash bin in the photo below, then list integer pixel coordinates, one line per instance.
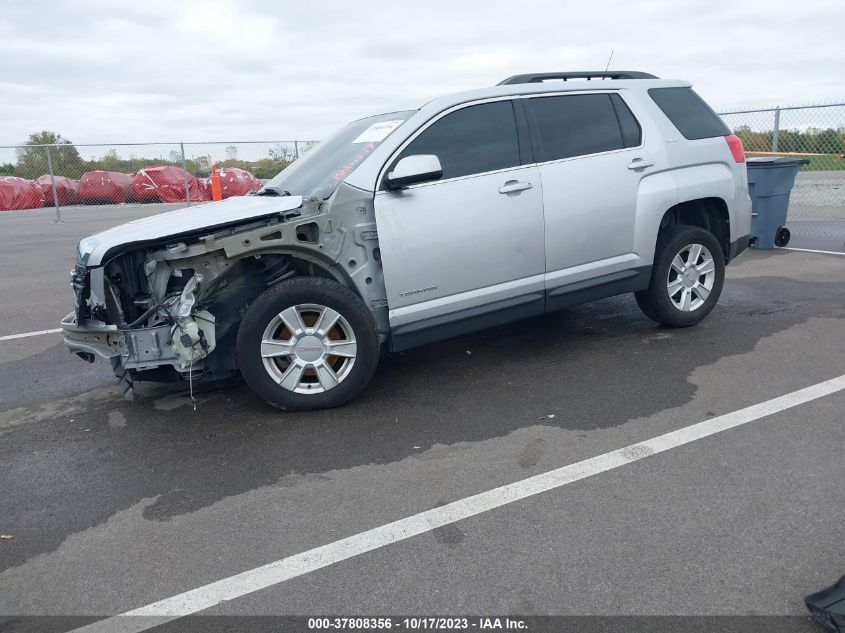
(770, 179)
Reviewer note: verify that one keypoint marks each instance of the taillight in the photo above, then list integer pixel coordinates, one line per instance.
(735, 143)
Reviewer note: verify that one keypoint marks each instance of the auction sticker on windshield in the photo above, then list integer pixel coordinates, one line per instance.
(377, 132)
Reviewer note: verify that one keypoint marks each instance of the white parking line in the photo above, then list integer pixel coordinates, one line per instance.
(9, 337)
(811, 250)
(259, 578)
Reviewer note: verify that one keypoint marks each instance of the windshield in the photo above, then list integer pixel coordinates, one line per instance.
(321, 170)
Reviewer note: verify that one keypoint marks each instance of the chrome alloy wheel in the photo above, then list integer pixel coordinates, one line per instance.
(691, 277)
(308, 348)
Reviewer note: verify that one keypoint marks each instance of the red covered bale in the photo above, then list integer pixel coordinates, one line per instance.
(19, 193)
(237, 182)
(67, 190)
(104, 187)
(167, 184)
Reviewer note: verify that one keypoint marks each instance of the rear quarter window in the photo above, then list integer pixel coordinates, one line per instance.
(688, 112)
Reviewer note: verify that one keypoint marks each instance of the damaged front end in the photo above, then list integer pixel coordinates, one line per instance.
(150, 315)
(166, 306)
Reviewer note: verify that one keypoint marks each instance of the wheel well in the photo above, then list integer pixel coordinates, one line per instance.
(277, 266)
(309, 268)
(710, 214)
(271, 266)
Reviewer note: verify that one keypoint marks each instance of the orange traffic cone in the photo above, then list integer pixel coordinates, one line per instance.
(216, 189)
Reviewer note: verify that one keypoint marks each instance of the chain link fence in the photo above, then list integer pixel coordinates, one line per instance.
(815, 133)
(67, 174)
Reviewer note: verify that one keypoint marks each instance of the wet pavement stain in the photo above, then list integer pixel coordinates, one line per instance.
(234, 443)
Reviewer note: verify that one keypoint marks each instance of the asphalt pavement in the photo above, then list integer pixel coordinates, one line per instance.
(114, 505)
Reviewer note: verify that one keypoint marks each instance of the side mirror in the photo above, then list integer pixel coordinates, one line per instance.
(414, 169)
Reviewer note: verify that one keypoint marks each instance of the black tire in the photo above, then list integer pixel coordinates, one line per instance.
(655, 301)
(782, 237)
(299, 291)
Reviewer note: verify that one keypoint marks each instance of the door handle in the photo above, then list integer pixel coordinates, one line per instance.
(640, 163)
(514, 186)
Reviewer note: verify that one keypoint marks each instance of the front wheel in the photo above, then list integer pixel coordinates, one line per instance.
(686, 279)
(307, 343)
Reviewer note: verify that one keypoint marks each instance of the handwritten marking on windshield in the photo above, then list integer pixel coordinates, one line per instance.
(341, 173)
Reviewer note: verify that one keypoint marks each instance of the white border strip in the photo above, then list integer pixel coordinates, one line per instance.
(10, 337)
(810, 250)
(279, 571)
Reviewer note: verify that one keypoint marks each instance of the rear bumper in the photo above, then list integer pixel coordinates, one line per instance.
(93, 337)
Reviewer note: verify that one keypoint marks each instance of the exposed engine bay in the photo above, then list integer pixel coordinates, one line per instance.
(170, 309)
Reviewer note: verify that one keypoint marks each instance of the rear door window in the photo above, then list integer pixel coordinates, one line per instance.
(472, 140)
(688, 112)
(575, 125)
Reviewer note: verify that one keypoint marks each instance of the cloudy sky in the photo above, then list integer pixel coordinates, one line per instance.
(158, 70)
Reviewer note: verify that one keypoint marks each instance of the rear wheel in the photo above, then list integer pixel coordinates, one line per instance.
(307, 343)
(686, 279)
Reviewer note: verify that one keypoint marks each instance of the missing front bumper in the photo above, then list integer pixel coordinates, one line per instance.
(93, 337)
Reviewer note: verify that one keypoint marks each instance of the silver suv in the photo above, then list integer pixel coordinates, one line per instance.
(473, 210)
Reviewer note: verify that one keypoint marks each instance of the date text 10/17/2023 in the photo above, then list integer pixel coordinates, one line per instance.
(417, 623)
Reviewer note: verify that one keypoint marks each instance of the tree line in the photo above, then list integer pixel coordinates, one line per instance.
(809, 141)
(31, 161)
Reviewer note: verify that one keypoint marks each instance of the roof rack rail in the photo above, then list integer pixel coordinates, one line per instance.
(534, 78)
